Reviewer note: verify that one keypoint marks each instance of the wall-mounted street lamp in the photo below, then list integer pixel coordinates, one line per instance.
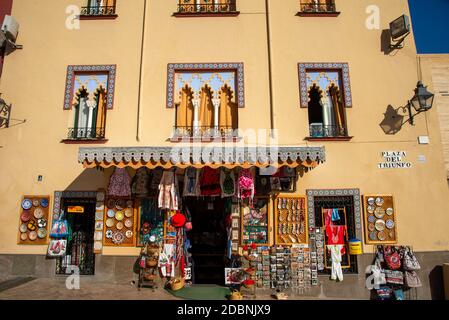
(422, 101)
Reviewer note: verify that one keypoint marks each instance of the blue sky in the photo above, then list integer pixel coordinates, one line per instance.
(430, 20)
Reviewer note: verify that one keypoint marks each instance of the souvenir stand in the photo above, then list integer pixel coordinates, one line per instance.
(394, 272)
(267, 228)
(148, 273)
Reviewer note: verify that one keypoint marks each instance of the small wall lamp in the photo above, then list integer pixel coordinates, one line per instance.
(422, 101)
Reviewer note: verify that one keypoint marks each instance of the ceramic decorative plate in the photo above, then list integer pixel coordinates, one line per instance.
(379, 201)
(371, 201)
(32, 225)
(27, 204)
(390, 211)
(373, 236)
(23, 227)
(99, 206)
(111, 203)
(42, 233)
(38, 213)
(44, 203)
(119, 225)
(371, 227)
(371, 209)
(382, 236)
(371, 218)
(128, 212)
(23, 236)
(99, 215)
(390, 224)
(128, 223)
(36, 202)
(33, 235)
(118, 237)
(110, 223)
(379, 213)
(98, 245)
(98, 236)
(119, 215)
(380, 225)
(129, 203)
(129, 234)
(109, 234)
(41, 223)
(110, 213)
(100, 196)
(120, 204)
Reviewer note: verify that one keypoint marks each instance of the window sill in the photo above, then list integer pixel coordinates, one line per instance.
(98, 17)
(84, 141)
(313, 139)
(318, 14)
(204, 139)
(205, 14)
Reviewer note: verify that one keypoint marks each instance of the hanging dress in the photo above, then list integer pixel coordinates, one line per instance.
(246, 184)
(210, 182)
(191, 186)
(140, 186)
(227, 183)
(120, 183)
(168, 197)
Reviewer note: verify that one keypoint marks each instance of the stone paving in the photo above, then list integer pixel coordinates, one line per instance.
(91, 289)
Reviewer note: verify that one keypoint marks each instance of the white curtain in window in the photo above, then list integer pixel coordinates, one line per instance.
(328, 112)
(83, 117)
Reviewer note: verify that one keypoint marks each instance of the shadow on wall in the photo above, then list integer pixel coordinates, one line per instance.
(93, 179)
(90, 180)
(392, 122)
(436, 283)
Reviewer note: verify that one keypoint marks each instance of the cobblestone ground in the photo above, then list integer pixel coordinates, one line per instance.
(90, 289)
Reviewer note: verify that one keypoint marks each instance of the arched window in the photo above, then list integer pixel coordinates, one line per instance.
(90, 114)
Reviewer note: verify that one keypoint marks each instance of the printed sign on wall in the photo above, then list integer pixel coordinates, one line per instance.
(394, 160)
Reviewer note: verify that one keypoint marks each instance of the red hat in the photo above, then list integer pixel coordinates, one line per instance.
(178, 220)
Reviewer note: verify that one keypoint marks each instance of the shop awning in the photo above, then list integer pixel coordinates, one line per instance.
(193, 156)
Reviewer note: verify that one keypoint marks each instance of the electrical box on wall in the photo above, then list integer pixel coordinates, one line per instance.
(423, 140)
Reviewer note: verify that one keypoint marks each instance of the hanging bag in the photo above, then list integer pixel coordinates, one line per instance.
(392, 258)
(410, 261)
(60, 228)
(394, 277)
(412, 279)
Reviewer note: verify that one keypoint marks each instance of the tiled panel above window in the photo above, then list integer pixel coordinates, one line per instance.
(325, 90)
(89, 94)
(207, 98)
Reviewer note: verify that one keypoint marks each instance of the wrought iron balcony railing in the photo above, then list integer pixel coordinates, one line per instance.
(318, 7)
(86, 134)
(207, 8)
(204, 132)
(98, 11)
(322, 131)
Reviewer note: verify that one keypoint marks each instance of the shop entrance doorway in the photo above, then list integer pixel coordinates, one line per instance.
(80, 215)
(208, 238)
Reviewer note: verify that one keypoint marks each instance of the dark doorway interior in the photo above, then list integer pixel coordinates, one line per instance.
(80, 244)
(208, 238)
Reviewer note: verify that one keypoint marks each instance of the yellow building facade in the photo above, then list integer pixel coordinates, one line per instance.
(142, 40)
